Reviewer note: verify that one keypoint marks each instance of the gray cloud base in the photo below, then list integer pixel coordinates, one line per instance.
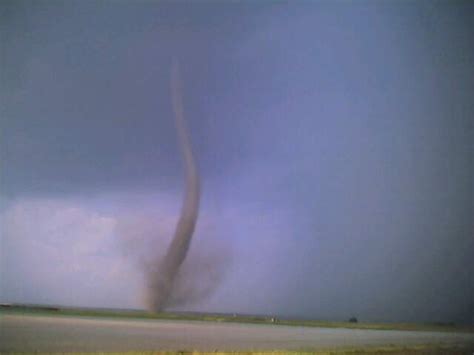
(334, 142)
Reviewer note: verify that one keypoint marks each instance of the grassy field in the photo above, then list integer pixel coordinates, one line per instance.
(52, 311)
(436, 349)
(389, 350)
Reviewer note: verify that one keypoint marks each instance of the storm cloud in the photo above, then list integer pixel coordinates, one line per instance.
(334, 143)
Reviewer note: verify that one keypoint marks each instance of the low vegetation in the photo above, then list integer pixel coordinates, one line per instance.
(234, 318)
(389, 350)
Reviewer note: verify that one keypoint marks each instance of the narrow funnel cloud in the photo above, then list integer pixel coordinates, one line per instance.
(162, 275)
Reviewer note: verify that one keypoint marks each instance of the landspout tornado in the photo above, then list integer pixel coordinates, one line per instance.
(163, 273)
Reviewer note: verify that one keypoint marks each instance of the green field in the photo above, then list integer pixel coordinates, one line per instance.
(85, 312)
(389, 350)
(436, 348)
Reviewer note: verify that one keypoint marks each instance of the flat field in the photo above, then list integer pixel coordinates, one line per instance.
(75, 330)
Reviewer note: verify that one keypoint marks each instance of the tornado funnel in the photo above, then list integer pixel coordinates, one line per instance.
(163, 273)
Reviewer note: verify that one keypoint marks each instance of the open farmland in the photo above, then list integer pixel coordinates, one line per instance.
(50, 331)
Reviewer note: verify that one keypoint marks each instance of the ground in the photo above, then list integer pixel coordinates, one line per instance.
(72, 331)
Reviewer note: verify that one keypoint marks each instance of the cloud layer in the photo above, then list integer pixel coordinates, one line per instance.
(64, 252)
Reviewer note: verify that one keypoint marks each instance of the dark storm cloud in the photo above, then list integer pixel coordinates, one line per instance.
(87, 98)
(334, 139)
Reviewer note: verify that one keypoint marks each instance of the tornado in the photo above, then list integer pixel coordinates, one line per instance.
(163, 273)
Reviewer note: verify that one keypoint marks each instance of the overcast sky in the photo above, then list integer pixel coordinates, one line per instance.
(334, 141)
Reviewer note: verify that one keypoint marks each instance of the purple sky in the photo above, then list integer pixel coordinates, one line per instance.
(334, 141)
